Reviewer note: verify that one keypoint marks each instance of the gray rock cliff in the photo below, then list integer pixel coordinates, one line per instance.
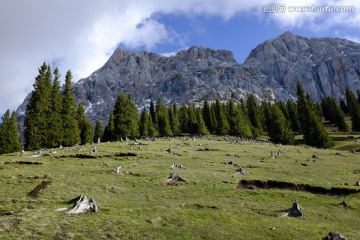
(325, 66)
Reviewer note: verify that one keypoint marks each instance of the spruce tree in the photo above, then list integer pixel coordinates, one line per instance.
(254, 116)
(133, 117)
(109, 131)
(152, 112)
(343, 106)
(201, 127)
(162, 118)
(209, 122)
(354, 110)
(71, 132)
(293, 116)
(174, 119)
(184, 119)
(121, 118)
(55, 126)
(38, 110)
(173, 122)
(222, 127)
(125, 117)
(238, 124)
(85, 127)
(9, 134)
(278, 127)
(98, 131)
(314, 131)
(144, 123)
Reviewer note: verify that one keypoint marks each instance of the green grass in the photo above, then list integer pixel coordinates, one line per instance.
(137, 204)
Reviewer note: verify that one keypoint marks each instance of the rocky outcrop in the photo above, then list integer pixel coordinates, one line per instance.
(325, 66)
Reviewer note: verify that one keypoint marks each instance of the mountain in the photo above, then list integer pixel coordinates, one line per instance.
(325, 66)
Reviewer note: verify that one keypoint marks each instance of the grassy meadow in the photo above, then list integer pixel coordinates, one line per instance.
(138, 203)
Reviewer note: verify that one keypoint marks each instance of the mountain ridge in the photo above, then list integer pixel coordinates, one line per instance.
(324, 66)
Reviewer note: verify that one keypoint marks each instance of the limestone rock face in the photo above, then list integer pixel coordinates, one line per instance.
(324, 66)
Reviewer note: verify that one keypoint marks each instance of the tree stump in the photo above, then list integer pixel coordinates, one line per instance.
(334, 236)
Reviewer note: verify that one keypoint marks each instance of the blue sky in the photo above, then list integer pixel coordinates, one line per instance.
(81, 35)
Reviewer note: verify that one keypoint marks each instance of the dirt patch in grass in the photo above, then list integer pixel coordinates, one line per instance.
(35, 192)
(128, 154)
(270, 184)
(23, 162)
(88, 156)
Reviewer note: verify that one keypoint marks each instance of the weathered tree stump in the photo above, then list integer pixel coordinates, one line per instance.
(294, 211)
(83, 205)
(334, 236)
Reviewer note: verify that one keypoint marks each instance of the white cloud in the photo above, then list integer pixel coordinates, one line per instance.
(80, 35)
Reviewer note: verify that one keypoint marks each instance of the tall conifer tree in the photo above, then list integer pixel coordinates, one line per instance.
(98, 131)
(38, 110)
(222, 127)
(109, 131)
(354, 110)
(162, 118)
(55, 126)
(9, 134)
(254, 115)
(85, 127)
(71, 132)
(314, 131)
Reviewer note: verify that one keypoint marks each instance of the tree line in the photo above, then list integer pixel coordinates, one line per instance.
(54, 118)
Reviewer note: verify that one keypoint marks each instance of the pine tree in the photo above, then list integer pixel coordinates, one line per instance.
(55, 126)
(174, 119)
(121, 118)
(222, 127)
(279, 129)
(133, 117)
(162, 118)
(98, 131)
(354, 110)
(9, 134)
(293, 116)
(343, 106)
(333, 113)
(109, 131)
(184, 119)
(314, 131)
(125, 117)
(238, 124)
(144, 123)
(254, 116)
(201, 127)
(358, 95)
(85, 127)
(152, 112)
(38, 110)
(71, 132)
(209, 122)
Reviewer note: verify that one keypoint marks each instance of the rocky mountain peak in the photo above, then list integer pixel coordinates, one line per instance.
(324, 66)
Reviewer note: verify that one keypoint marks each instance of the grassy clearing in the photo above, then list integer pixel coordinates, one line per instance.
(137, 203)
